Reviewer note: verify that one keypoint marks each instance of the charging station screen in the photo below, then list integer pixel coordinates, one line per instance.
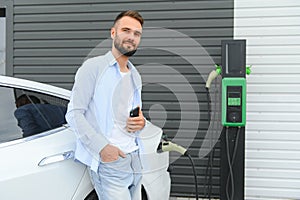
(234, 99)
(234, 109)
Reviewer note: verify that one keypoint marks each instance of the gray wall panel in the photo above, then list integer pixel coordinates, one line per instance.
(179, 23)
(51, 39)
(108, 6)
(96, 34)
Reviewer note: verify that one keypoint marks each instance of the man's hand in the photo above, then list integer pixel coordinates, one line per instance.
(111, 153)
(135, 123)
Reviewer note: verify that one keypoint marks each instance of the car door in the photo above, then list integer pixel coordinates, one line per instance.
(39, 166)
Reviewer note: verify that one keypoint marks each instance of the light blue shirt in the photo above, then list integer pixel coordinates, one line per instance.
(90, 111)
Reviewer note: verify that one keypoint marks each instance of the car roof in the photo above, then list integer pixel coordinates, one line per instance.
(34, 86)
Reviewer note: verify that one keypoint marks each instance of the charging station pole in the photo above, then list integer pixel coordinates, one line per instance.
(233, 119)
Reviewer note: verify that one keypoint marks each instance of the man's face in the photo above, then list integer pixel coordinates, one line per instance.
(126, 35)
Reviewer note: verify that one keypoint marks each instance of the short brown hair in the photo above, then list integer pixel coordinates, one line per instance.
(130, 13)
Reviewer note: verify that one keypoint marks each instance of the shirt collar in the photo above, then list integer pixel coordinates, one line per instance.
(110, 58)
(112, 61)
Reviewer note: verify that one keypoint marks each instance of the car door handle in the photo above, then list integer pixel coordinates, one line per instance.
(56, 158)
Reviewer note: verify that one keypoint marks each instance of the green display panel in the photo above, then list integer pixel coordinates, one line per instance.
(233, 102)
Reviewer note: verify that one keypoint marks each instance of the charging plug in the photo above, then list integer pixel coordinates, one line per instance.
(212, 75)
(169, 146)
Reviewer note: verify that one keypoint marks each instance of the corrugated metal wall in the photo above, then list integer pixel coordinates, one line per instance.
(52, 38)
(272, 30)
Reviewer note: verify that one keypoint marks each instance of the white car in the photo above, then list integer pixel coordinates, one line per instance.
(40, 165)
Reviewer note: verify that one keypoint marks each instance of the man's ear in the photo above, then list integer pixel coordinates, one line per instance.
(112, 32)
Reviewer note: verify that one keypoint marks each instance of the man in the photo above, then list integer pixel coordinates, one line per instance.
(34, 117)
(106, 88)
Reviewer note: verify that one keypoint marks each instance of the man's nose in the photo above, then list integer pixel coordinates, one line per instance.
(131, 36)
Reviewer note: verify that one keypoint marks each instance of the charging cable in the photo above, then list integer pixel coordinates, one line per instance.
(170, 146)
(209, 166)
(230, 161)
(208, 181)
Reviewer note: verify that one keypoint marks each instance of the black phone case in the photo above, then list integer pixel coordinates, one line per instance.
(134, 112)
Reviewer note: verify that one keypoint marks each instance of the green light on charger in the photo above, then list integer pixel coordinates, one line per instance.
(234, 102)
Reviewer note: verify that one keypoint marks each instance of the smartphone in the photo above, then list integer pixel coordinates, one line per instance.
(134, 112)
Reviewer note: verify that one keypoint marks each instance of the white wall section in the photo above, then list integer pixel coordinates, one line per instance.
(272, 31)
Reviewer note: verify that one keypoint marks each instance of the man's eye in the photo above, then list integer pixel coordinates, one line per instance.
(138, 34)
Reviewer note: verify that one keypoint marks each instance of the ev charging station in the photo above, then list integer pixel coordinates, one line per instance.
(233, 118)
(233, 71)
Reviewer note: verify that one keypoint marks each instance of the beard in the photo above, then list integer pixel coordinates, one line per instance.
(122, 49)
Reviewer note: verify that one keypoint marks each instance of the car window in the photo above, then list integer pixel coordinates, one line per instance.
(25, 113)
(8, 123)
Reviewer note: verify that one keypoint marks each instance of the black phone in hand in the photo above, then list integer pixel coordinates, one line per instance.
(134, 112)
